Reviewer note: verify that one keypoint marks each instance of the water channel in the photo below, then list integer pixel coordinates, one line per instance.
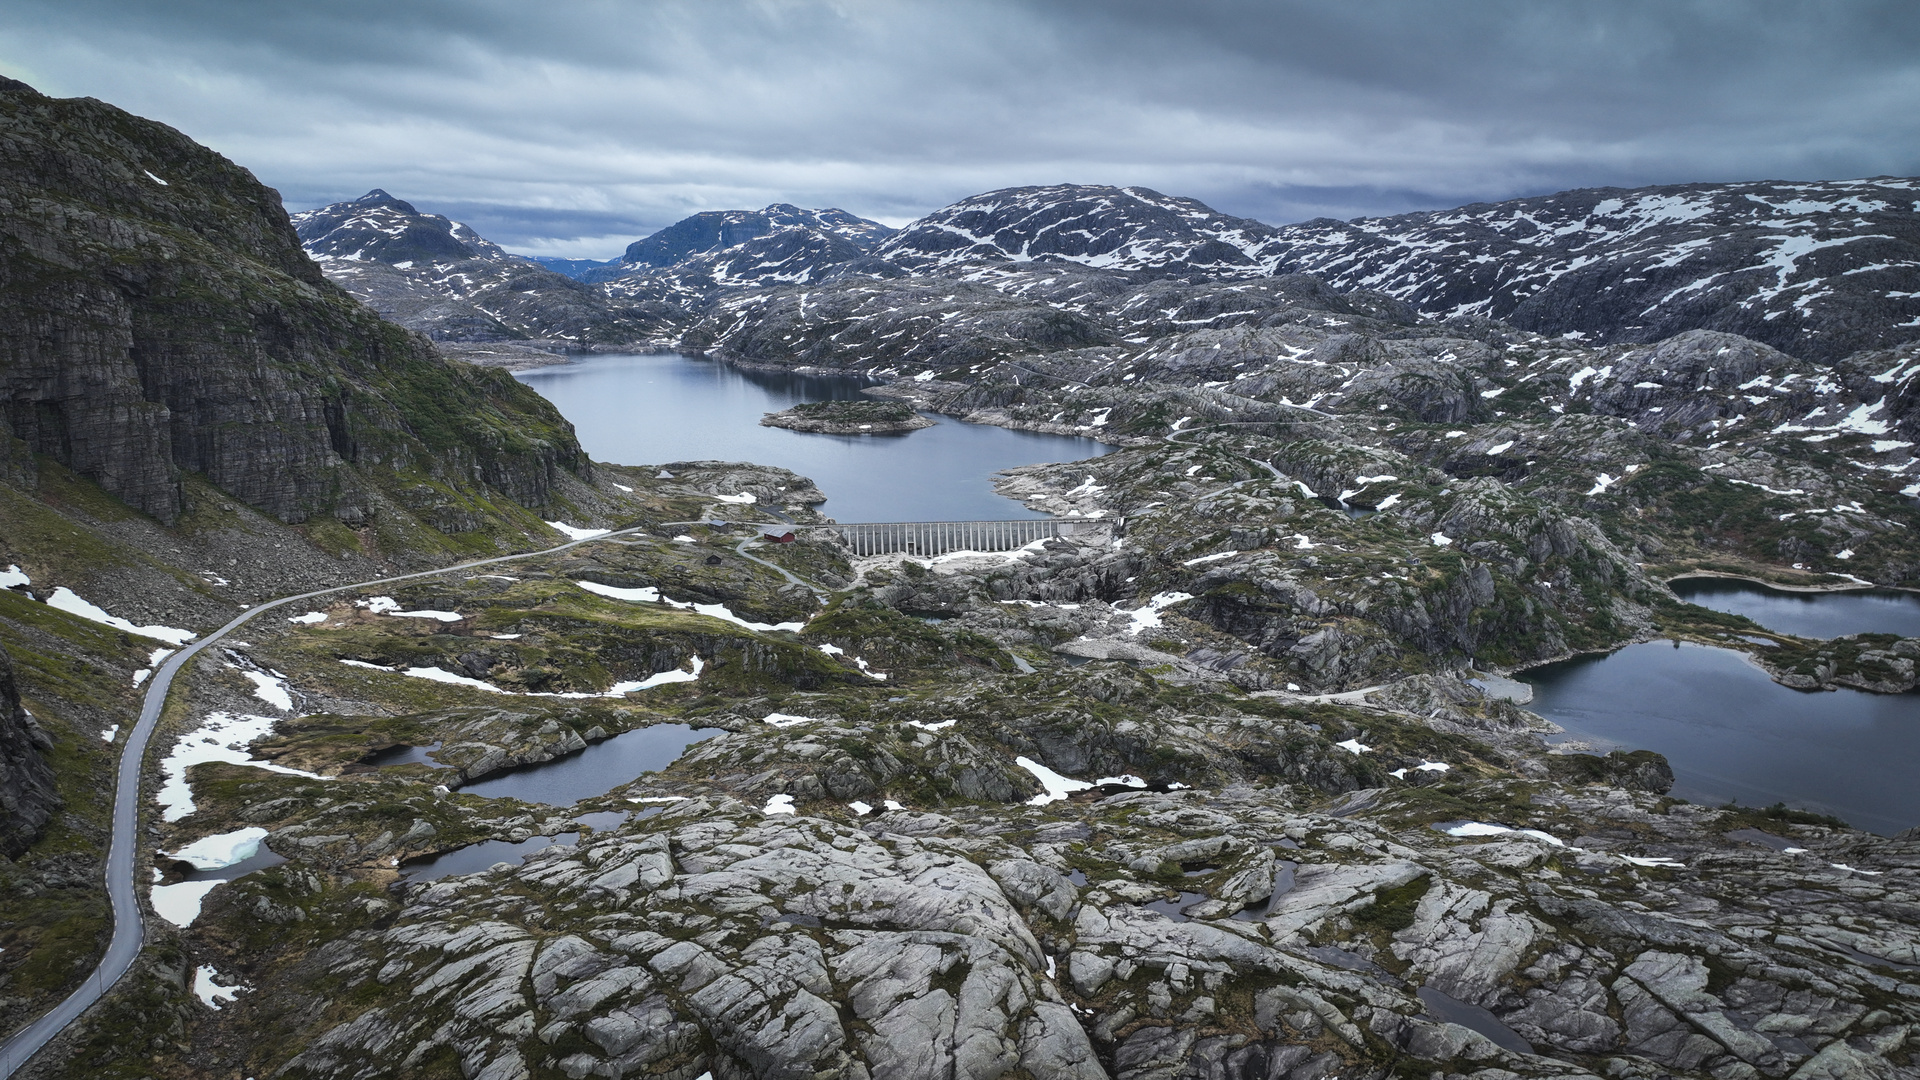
(649, 410)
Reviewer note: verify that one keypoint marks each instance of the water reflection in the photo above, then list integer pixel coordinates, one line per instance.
(654, 409)
(595, 770)
(1731, 733)
(1805, 614)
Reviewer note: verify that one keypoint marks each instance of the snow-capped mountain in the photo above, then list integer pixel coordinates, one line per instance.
(715, 231)
(1119, 228)
(376, 227)
(1815, 269)
(429, 273)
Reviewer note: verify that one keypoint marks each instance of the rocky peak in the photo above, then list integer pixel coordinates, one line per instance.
(1122, 228)
(717, 230)
(376, 227)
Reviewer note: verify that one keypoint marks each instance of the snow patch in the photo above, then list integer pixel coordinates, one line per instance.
(66, 600)
(220, 737)
(222, 849)
(574, 532)
(207, 988)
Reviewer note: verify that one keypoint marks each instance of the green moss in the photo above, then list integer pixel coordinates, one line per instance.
(1392, 909)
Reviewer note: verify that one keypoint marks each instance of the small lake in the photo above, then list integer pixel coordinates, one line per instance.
(596, 770)
(1807, 614)
(1732, 733)
(649, 410)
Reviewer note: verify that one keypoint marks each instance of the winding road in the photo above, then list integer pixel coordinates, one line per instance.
(129, 925)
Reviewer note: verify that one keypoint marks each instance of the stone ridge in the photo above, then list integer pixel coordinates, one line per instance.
(162, 319)
(1818, 270)
(715, 230)
(1121, 228)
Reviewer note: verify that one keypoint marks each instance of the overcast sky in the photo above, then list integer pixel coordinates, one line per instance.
(573, 128)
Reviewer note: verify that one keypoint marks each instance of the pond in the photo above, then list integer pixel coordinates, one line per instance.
(649, 410)
(596, 770)
(1732, 733)
(1807, 614)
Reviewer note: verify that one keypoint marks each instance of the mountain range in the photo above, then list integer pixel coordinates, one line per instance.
(1226, 781)
(1817, 270)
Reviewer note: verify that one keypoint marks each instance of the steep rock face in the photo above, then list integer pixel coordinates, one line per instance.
(1817, 270)
(159, 317)
(27, 796)
(1123, 228)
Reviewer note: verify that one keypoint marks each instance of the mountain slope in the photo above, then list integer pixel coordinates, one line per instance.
(432, 274)
(715, 230)
(163, 321)
(1120, 228)
(1818, 270)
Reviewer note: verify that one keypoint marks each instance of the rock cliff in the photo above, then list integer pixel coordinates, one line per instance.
(27, 795)
(161, 319)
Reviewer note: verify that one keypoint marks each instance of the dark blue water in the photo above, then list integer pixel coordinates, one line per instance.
(596, 770)
(648, 410)
(477, 857)
(1732, 733)
(1818, 615)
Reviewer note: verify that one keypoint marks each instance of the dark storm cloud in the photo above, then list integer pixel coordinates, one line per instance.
(571, 128)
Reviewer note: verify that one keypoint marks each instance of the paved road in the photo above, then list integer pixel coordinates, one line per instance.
(129, 930)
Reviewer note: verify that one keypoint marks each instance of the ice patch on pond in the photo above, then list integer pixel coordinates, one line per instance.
(179, 904)
(310, 618)
(1059, 787)
(1147, 615)
(271, 690)
(68, 601)
(779, 804)
(220, 737)
(207, 988)
(222, 849)
(576, 533)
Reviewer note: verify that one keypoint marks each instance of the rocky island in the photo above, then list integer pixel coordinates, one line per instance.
(849, 418)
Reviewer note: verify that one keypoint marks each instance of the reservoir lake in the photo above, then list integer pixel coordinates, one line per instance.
(650, 410)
